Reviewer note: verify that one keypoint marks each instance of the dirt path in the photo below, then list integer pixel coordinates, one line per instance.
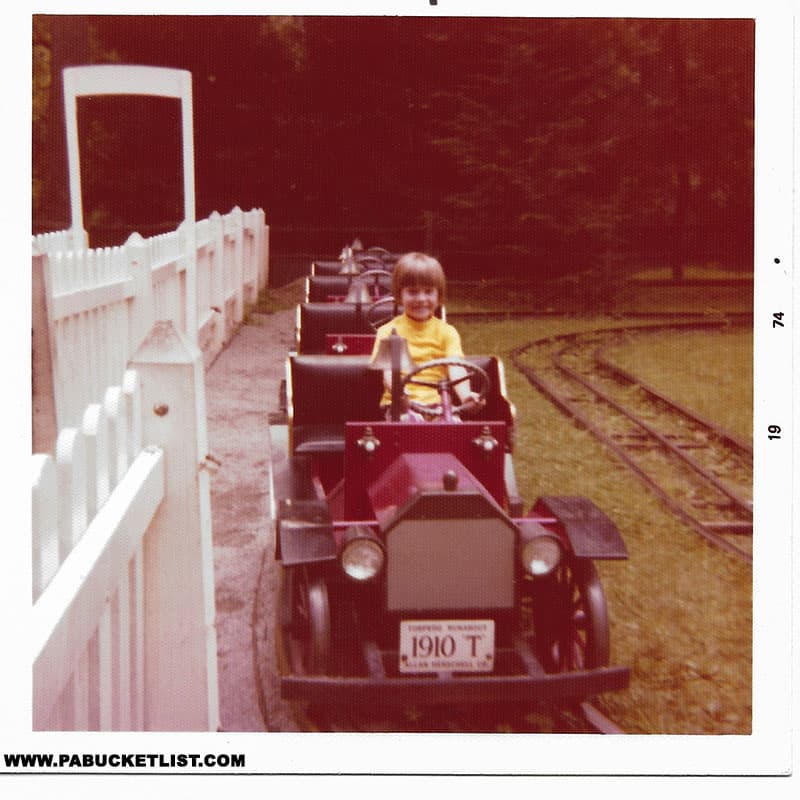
(241, 389)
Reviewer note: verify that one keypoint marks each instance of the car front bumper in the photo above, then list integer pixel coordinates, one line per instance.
(529, 685)
(370, 691)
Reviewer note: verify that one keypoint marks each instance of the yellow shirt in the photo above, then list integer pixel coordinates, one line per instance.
(427, 340)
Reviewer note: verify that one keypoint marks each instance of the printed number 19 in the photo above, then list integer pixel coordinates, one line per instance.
(775, 431)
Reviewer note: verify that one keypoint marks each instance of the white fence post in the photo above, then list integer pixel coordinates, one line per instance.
(258, 263)
(180, 646)
(216, 265)
(234, 234)
(95, 430)
(44, 522)
(137, 252)
(72, 489)
(251, 252)
(188, 269)
(264, 256)
(45, 428)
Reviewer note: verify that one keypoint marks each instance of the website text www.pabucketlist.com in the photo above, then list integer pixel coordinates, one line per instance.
(149, 761)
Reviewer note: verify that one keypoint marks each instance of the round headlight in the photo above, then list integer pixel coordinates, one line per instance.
(540, 555)
(362, 558)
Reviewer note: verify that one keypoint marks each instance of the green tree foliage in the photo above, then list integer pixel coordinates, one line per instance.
(593, 133)
(553, 144)
(40, 107)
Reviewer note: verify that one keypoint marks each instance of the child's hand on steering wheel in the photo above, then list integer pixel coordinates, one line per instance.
(471, 405)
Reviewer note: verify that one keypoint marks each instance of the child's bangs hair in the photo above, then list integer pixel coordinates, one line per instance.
(417, 269)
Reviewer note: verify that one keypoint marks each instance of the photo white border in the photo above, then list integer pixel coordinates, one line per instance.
(766, 752)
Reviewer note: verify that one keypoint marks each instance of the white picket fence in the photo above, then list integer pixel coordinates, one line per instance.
(123, 578)
(99, 303)
(123, 588)
(91, 507)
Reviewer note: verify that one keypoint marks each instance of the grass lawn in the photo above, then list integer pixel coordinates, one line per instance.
(711, 374)
(680, 610)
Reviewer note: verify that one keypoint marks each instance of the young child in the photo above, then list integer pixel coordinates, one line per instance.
(418, 285)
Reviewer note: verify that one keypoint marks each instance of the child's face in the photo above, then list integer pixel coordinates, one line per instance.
(419, 302)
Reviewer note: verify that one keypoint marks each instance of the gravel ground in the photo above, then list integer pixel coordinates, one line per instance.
(241, 389)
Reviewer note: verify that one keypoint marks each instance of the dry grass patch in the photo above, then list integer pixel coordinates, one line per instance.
(709, 372)
(281, 298)
(680, 610)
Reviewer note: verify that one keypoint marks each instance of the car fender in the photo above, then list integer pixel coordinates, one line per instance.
(591, 534)
(304, 532)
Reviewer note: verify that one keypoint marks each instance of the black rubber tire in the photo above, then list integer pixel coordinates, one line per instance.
(305, 621)
(571, 619)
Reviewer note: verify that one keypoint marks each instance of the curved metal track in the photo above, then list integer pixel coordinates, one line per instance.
(701, 472)
(582, 717)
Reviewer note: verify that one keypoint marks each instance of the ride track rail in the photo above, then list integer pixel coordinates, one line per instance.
(583, 718)
(701, 472)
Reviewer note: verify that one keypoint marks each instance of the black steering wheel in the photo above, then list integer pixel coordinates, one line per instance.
(443, 386)
(369, 262)
(373, 278)
(381, 311)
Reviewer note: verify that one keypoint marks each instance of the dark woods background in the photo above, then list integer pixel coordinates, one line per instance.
(526, 147)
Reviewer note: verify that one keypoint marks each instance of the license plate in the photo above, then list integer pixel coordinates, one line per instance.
(447, 645)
